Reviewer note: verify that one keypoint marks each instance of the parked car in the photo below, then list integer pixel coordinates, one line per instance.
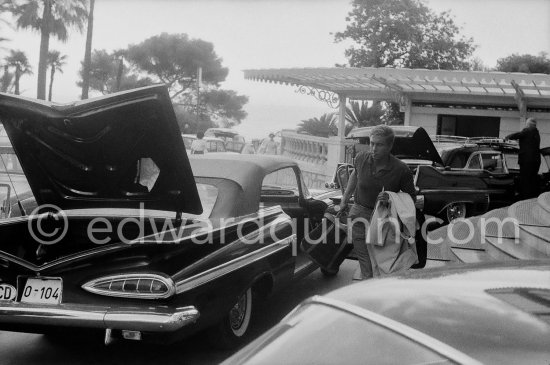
(494, 160)
(16, 197)
(234, 142)
(145, 249)
(213, 144)
(484, 314)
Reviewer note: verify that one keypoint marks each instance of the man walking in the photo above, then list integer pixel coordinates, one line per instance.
(529, 158)
(376, 171)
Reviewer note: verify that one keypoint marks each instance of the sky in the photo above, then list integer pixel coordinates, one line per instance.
(261, 34)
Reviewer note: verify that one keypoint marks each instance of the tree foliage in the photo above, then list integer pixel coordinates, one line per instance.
(87, 63)
(5, 7)
(172, 59)
(108, 74)
(525, 63)
(225, 106)
(6, 80)
(404, 33)
(49, 17)
(325, 126)
(56, 61)
(360, 114)
(19, 61)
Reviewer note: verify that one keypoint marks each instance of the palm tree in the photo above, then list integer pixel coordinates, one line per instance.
(50, 17)
(321, 127)
(56, 61)
(5, 6)
(20, 62)
(87, 65)
(361, 115)
(7, 78)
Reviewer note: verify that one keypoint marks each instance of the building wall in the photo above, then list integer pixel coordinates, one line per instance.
(425, 120)
(509, 120)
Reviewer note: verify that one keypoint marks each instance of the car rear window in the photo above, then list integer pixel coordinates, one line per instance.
(208, 195)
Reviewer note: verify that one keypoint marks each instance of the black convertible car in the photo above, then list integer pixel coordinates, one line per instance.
(126, 240)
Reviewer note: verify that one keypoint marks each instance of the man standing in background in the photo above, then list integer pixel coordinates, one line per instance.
(529, 158)
(270, 147)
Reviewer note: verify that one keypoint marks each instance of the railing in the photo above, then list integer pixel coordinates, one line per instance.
(317, 156)
(302, 147)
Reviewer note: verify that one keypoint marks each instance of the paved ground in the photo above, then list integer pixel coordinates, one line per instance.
(28, 349)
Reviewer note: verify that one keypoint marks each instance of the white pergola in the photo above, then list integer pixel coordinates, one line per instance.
(406, 86)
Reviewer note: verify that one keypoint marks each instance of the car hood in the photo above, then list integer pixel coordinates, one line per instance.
(123, 150)
(410, 143)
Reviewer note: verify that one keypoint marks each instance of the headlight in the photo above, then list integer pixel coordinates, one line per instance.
(139, 286)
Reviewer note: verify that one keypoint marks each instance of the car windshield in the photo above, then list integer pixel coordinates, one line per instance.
(317, 334)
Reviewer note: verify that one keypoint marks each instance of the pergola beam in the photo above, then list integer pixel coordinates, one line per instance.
(397, 92)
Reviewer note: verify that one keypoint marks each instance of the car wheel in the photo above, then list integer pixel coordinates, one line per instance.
(233, 330)
(329, 273)
(455, 211)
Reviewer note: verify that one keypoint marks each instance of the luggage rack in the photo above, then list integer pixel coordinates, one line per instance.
(490, 141)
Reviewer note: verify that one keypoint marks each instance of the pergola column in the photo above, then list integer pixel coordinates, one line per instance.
(342, 116)
(340, 150)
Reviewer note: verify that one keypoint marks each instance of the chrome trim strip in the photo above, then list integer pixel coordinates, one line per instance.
(30, 266)
(148, 319)
(233, 265)
(410, 333)
(451, 190)
(265, 212)
(89, 286)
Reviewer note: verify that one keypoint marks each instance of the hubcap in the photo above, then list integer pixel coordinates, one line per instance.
(455, 211)
(238, 313)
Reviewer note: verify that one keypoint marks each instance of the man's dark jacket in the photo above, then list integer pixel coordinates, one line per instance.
(529, 146)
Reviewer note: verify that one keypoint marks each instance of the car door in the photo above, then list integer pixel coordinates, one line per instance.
(285, 187)
(492, 169)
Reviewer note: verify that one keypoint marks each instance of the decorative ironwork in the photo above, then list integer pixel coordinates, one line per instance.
(329, 97)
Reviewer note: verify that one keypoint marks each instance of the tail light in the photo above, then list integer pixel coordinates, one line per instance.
(139, 286)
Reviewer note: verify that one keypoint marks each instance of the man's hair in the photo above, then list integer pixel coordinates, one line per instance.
(531, 122)
(383, 131)
(200, 134)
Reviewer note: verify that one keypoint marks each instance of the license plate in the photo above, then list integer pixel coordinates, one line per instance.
(42, 291)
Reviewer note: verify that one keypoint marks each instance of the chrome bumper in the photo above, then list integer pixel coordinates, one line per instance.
(151, 319)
